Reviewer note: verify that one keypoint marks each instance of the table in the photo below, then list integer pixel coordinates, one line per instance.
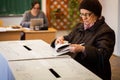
(35, 60)
(26, 49)
(46, 35)
(7, 34)
(66, 69)
(15, 34)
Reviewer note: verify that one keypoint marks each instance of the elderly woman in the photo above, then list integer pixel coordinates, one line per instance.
(98, 39)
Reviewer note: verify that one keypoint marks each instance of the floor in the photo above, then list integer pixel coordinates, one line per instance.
(114, 60)
(115, 66)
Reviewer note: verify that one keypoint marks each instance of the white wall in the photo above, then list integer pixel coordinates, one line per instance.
(111, 13)
(44, 6)
(16, 20)
(118, 34)
(11, 20)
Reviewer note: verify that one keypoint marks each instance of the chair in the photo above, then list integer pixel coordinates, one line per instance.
(1, 23)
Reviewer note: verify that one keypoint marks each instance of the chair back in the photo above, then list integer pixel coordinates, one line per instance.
(1, 23)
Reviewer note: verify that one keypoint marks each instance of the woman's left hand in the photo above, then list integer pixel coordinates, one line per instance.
(76, 48)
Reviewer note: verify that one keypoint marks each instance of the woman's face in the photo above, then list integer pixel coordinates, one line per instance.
(87, 17)
(36, 8)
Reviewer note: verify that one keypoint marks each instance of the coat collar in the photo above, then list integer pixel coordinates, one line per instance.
(97, 24)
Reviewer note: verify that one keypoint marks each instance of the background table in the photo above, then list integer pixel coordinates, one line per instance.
(46, 35)
(10, 34)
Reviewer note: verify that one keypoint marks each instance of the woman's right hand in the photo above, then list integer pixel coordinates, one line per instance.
(59, 40)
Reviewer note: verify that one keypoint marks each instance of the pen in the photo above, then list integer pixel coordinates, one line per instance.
(82, 44)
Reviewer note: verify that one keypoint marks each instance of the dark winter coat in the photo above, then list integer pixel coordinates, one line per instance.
(99, 45)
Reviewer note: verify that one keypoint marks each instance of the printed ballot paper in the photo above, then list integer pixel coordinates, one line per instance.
(62, 48)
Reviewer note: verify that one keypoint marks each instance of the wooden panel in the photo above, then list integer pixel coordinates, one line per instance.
(10, 35)
(46, 35)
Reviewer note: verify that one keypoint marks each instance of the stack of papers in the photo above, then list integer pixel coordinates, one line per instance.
(4, 29)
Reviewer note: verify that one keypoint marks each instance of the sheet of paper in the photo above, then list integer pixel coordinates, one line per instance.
(2, 29)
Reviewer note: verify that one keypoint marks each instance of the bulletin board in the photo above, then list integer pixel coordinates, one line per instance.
(14, 7)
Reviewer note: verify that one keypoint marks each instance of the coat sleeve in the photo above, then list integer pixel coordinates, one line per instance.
(103, 46)
(25, 21)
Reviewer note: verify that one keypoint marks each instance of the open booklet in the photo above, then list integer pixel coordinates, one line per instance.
(62, 48)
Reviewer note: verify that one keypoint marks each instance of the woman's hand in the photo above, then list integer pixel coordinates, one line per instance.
(59, 40)
(76, 48)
